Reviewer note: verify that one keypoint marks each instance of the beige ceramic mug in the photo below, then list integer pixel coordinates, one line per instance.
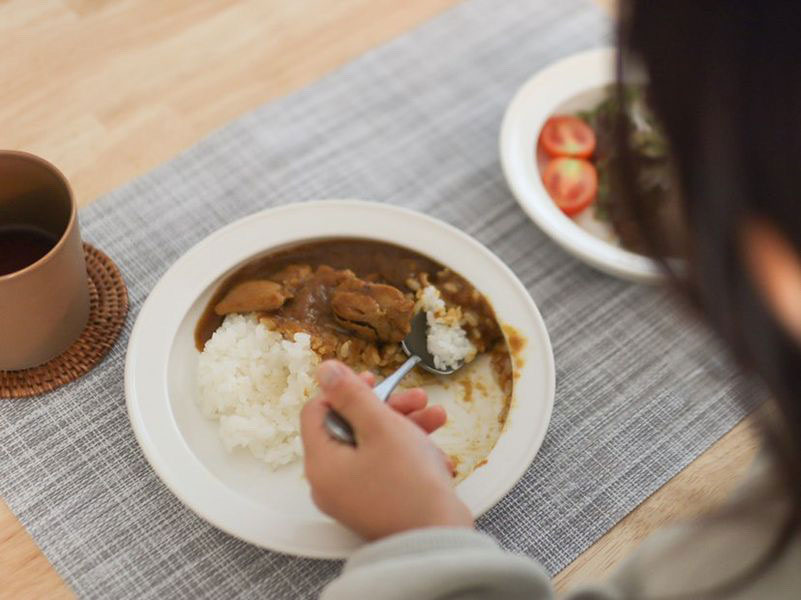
(44, 291)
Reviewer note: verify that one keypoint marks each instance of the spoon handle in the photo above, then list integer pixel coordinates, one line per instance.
(384, 389)
(341, 430)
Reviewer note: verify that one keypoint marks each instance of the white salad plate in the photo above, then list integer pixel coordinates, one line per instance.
(234, 491)
(574, 83)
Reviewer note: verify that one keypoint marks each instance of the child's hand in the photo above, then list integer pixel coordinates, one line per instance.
(395, 479)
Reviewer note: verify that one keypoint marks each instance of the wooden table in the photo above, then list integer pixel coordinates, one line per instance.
(108, 89)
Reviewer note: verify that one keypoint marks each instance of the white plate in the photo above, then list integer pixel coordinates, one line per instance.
(565, 86)
(237, 493)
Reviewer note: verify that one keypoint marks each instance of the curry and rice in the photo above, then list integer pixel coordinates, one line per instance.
(270, 323)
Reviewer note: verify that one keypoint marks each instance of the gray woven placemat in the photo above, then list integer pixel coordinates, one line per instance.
(640, 391)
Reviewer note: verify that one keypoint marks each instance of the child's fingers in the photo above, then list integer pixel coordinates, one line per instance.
(315, 437)
(352, 398)
(408, 400)
(430, 418)
(368, 378)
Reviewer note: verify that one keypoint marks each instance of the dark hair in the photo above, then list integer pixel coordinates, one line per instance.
(724, 80)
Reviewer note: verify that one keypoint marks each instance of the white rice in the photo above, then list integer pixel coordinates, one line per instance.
(447, 340)
(255, 383)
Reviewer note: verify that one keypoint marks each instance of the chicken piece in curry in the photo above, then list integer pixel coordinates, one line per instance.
(355, 298)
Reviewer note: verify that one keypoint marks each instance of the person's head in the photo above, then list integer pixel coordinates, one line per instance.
(724, 79)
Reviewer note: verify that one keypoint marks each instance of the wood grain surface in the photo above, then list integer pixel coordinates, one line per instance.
(109, 89)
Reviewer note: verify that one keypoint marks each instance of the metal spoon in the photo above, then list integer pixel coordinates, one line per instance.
(415, 346)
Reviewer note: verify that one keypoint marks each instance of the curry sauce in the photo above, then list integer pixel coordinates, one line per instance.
(354, 297)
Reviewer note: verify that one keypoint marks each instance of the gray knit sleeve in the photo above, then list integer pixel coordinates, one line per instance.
(439, 563)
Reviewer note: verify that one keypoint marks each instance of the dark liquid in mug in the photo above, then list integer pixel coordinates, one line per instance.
(22, 246)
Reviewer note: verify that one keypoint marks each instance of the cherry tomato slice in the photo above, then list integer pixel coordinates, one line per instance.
(572, 183)
(566, 135)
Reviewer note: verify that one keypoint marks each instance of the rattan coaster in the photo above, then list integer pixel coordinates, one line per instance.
(108, 308)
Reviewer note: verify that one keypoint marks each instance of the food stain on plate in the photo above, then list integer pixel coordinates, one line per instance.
(477, 400)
